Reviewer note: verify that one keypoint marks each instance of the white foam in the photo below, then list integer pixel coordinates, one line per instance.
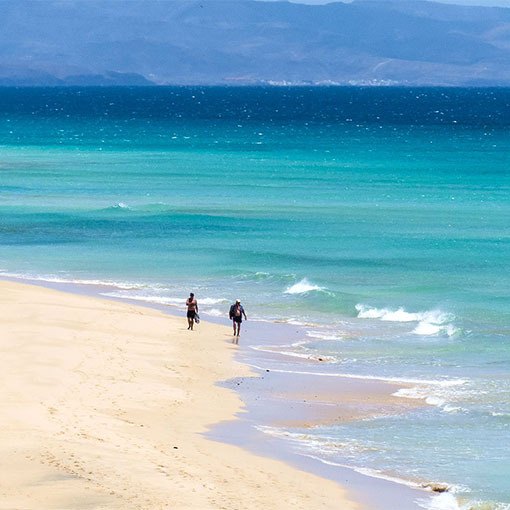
(215, 312)
(438, 395)
(385, 314)
(435, 401)
(314, 357)
(79, 281)
(450, 330)
(451, 409)
(211, 301)
(444, 501)
(438, 382)
(325, 444)
(278, 349)
(302, 287)
(295, 322)
(401, 315)
(322, 336)
(315, 444)
(160, 300)
(292, 321)
(121, 205)
(430, 322)
(167, 300)
(299, 343)
(420, 392)
(425, 328)
(265, 348)
(368, 472)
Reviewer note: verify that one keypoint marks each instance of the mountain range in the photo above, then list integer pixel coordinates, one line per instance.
(214, 42)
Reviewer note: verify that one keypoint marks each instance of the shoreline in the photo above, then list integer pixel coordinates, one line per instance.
(228, 431)
(106, 406)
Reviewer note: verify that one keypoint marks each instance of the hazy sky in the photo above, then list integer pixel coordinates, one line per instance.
(490, 3)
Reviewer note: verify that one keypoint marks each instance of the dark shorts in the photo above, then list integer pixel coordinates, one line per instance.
(191, 314)
(237, 319)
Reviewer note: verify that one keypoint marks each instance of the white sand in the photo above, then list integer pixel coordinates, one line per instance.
(95, 397)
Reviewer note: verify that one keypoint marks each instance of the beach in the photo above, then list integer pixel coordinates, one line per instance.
(105, 405)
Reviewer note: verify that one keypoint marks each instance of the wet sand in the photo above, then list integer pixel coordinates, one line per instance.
(279, 402)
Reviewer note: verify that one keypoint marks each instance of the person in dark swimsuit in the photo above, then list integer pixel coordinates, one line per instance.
(236, 315)
(192, 305)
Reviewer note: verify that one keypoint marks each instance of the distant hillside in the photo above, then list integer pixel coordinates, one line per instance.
(126, 42)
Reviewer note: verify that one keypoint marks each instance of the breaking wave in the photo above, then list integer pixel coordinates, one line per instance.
(430, 322)
(120, 205)
(302, 287)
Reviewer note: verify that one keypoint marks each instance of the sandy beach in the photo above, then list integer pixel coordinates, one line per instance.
(105, 404)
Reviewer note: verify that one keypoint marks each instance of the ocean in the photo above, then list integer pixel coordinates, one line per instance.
(375, 219)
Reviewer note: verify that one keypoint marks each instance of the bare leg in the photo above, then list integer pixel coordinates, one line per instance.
(238, 328)
(190, 323)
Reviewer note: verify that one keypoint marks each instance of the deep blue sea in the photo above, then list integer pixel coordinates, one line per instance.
(378, 219)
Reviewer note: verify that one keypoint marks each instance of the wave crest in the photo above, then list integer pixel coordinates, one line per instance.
(430, 322)
(302, 287)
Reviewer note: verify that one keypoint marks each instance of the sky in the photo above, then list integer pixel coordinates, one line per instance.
(487, 3)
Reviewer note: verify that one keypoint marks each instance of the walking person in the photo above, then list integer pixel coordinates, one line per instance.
(236, 315)
(192, 305)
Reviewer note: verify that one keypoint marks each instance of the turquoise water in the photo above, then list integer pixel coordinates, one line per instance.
(377, 218)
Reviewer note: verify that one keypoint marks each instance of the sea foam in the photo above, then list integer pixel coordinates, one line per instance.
(430, 322)
(323, 336)
(443, 501)
(160, 300)
(212, 301)
(404, 380)
(440, 394)
(80, 281)
(166, 300)
(302, 287)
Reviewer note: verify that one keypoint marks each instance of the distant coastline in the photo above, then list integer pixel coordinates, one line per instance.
(133, 80)
(253, 42)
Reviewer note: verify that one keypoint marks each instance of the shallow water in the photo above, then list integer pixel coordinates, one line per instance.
(378, 217)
